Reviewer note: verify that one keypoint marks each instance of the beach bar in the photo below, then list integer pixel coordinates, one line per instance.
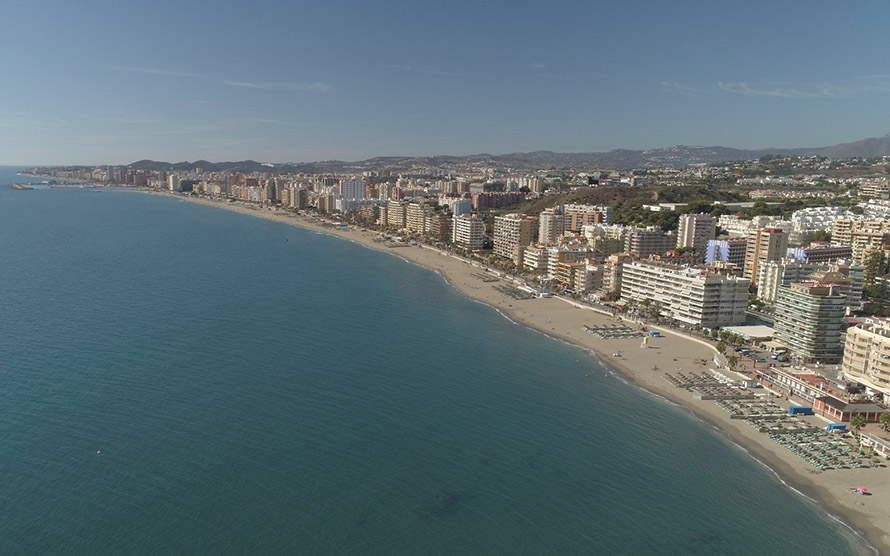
(839, 410)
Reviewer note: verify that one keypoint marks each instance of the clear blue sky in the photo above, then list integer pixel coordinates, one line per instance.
(114, 81)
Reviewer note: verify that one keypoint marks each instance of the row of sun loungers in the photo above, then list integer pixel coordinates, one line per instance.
(823, 451)
(683, 380)
(752, 407)
(720, 392)
(485, 277)
(512, 292)
(612, 332)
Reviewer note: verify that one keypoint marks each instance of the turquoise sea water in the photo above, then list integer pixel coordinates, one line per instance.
(255, 388)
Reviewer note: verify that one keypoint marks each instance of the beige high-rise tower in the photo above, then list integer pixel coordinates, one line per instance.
(696, 230)
(765, 244)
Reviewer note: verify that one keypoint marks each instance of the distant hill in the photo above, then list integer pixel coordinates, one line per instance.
(676, 156)
(867, 148)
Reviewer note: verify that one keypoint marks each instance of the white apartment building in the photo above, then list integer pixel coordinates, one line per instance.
(687, 294)
(815, 218)
(352, 189)
(535, 258)
(737, 226)
(457, 205)
(468, 231)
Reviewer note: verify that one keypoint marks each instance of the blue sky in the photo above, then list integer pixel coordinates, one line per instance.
(112, 82)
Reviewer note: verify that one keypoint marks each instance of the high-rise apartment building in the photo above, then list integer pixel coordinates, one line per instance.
(457, 205)
(396, 215)
(511, 232)
(578, 216)
(468, 231)
(417, 218)
(810, 320)
(695, 230)
(765, 244)
(730, 250)
(440, 227)
(352, 189)
(551, 225)
(643, 242)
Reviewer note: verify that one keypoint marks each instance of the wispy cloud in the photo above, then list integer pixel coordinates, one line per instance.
(852, 87)
(538, 65)
(678, 88)
(315, 86)
(29, 122)
(421, 69)
(268, 121)
(153, 71)
(767, 89)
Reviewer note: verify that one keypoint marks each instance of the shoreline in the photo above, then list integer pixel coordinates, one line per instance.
(864, 519)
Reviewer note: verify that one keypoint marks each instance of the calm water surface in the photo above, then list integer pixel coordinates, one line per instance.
(257, 388)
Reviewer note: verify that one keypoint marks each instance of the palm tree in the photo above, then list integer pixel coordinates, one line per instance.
(721, 347)
(857, 422)
(732, 362)
(884, 419)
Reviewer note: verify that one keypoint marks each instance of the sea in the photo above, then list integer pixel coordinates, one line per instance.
(179, 379)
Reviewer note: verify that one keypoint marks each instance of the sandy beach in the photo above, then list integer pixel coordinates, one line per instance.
(869, 516)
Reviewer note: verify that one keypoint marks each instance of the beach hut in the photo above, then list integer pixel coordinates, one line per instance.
(800, 410)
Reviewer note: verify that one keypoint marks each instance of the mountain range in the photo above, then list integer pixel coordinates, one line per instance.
(676, 156)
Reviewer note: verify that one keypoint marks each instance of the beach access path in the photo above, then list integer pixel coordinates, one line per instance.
(643, 366)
